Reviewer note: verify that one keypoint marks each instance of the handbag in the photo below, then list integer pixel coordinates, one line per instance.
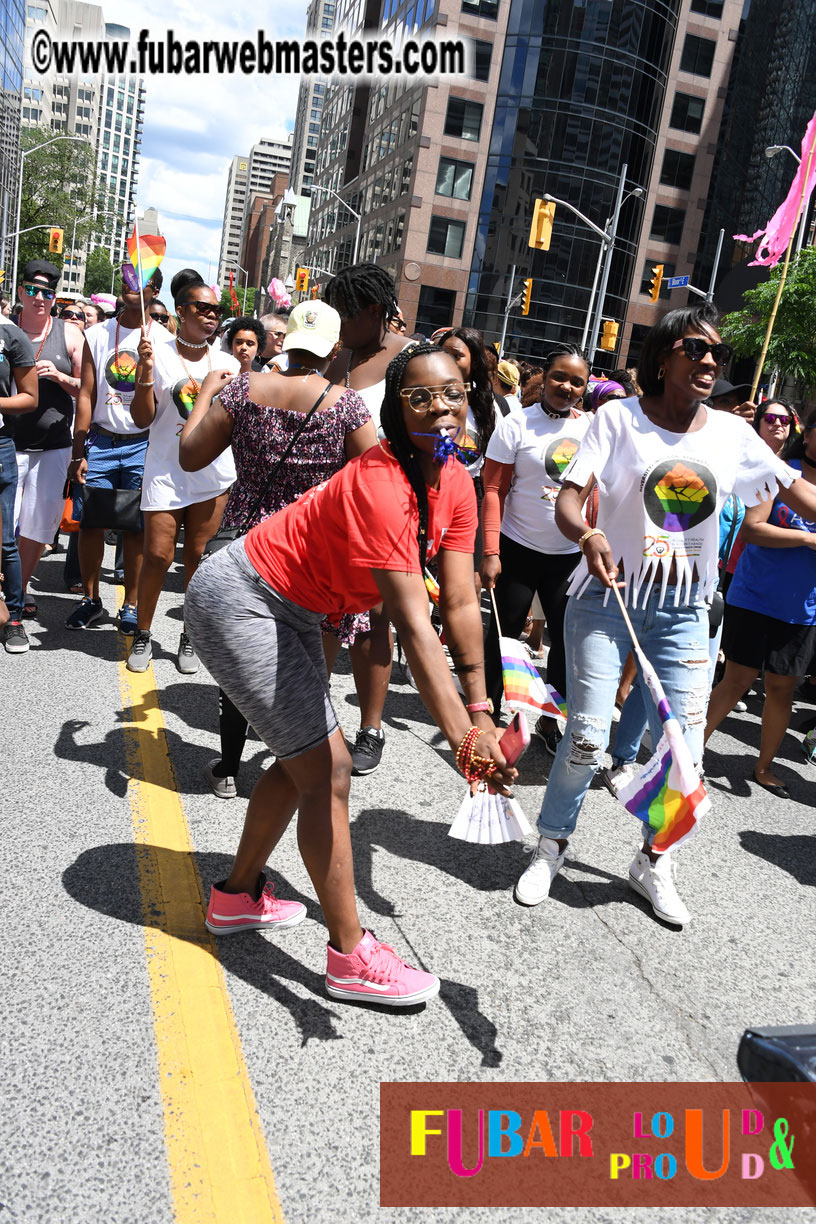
(111, 509)
(68, 524)
(225, 536)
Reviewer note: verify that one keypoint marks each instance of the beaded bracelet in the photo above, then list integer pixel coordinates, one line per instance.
(474, 767)
(593, 531)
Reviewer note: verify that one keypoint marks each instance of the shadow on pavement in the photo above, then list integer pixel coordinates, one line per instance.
(794, 853)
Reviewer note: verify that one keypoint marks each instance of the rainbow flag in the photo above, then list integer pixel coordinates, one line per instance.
(432, 587)
(145, 252)
(523, 687)
(667, 794)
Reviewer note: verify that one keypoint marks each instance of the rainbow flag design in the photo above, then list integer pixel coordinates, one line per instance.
(523, 687)
(432, 587)
(563, 453)
(145, 252)
(680, 493)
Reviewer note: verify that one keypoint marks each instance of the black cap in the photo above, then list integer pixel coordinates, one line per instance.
(723, 387)
(43, 269)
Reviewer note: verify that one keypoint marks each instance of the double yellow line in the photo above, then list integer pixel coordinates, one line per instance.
(218, 1162)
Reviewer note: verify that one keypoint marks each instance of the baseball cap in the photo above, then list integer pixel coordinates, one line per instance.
(508, 373)
(314, 327)
(723, 387)
(44, 270)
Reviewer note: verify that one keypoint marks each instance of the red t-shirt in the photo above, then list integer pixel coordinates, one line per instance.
(320, 550)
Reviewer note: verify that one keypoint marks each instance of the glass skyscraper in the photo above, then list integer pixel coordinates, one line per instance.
(12, 43)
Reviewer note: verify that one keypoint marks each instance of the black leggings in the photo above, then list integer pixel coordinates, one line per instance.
(525, 573)
(234, 728)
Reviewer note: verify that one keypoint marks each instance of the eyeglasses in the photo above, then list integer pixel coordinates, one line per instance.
(211, 308)
(773, 418)
(70, 314)
(276, 335)
(420, 399)
(696, 348)
(159, 317)
(33, 290)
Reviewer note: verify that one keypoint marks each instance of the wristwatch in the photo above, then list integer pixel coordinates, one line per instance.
(476, 707)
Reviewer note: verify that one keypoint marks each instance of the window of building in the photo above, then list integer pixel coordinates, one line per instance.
(435, 309)
(647, 274)
(709, 8)
(481, 8)
(698, 55)
(314, 128)
(446, 237)
(677, 169)
(687, 113)
(407, 171)
(481, 52)
(667, 224)
(463, 119)
(454, 178)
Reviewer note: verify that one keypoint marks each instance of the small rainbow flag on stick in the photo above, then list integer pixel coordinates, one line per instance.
(523, 687)
(145, 252)
(667, 793)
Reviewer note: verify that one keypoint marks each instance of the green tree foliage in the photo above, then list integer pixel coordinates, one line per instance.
(60, 186)
(98, 272)
(792, 349)
(246, 301)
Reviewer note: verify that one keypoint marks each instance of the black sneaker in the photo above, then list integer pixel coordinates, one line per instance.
(549, 734)
(15, 640)
(367, 751)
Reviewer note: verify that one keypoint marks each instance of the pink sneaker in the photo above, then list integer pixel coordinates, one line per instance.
(374, 971)
(230, 912)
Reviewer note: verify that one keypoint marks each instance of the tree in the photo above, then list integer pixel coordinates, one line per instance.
(792, 349)
(60, 187)
(246, 301)
(98, 272)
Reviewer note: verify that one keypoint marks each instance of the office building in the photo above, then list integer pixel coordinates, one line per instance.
(311, 96)
(12, 49)
(250, 175)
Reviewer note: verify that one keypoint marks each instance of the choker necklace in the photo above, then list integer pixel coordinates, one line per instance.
(190, 344)
(552, 414)
(810, 462)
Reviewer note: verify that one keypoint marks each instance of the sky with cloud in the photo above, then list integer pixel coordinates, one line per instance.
(194, 125)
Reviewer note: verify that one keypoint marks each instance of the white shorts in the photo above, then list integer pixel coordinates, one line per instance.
(40, 496)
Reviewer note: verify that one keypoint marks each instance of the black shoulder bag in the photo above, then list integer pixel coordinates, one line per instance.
(225, 535)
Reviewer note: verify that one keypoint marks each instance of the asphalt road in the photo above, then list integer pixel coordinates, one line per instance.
(588, 986)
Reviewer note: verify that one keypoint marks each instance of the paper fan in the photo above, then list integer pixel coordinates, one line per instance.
(486, 818)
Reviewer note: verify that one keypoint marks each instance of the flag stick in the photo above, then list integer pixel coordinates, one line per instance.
(139, 268)
(495, 611)
(783, 277)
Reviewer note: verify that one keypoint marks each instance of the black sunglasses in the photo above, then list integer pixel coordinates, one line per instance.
(160, 318)
(211, 308)
(71, 314)
(696, 348)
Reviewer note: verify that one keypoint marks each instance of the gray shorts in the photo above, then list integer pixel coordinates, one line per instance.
(264, 651)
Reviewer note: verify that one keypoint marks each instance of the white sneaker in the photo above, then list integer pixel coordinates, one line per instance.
(222, 788)
(618, 775)
(187, 659)
(655, 882)
(534, 885)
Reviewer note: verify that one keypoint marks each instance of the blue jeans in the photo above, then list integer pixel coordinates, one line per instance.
(675, 640)
(13, 576)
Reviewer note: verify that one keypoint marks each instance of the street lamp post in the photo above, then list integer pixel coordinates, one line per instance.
(772, 151)
(24, 153)
(358, 216)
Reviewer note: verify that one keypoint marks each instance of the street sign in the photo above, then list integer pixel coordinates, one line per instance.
(676, 282)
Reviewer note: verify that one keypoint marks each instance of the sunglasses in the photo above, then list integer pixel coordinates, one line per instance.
(420, 399)
(774, 418)
(70, 314)
(159, 317)
(696, 348)
(211, 308)
(33, 290)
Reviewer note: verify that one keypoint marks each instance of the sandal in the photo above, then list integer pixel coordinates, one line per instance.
(29, 607)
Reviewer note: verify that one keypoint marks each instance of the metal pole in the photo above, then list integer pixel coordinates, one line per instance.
(611, 235)
(591, 306)
(356, 239)
(4, 229)
(507, 312)
(710, 294)
(73, 251)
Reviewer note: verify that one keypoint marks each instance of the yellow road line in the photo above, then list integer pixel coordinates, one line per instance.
(218, 1162)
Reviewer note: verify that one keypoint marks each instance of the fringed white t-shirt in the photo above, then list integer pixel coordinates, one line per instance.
(661, 493)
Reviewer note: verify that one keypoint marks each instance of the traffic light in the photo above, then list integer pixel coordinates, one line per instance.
(55, 241)
(609, 339)
(656, 282)
(528, 291)
(542, 225)
(302, 280)
(2, 276)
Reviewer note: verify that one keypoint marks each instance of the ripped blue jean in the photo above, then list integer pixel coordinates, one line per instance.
(597, 642)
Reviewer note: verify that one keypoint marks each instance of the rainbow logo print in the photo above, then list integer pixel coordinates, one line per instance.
(563, 453)
(681, 493)
(120, 374)
(185, 393)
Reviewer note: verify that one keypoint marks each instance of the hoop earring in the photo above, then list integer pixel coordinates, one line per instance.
(661, 374)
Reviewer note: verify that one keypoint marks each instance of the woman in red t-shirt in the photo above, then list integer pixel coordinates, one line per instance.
(361, 537)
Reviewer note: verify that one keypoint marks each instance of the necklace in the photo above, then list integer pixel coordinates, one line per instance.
(552, 414)
(191, 379)
(191, 344)
(810, 462)
(48, 327)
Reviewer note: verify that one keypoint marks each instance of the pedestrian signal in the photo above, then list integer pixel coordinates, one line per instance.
(528, 292)
(609, 339)
(55, 242)
(656, 282)
(542, 225)
(302, 280)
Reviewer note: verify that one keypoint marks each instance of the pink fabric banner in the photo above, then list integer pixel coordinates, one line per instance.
(775, 237)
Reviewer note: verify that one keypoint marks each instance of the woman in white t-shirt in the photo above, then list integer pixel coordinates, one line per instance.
(665, 465)
(167, 385)
(526, 457)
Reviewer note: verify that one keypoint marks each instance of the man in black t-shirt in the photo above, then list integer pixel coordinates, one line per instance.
(17, 363)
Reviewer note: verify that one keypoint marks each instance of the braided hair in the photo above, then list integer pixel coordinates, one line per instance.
(361, 285)
(392, 421)
(480, 397)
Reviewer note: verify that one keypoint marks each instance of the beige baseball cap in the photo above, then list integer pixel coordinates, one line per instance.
(314, 327)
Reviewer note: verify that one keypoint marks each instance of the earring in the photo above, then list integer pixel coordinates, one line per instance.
(661, 374)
